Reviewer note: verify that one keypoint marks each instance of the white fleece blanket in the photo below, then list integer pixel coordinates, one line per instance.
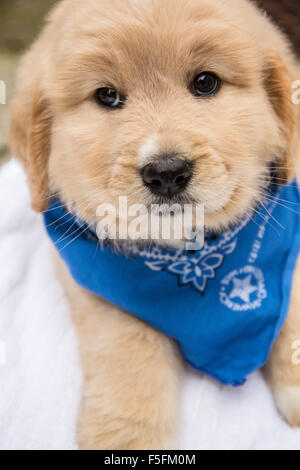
(40, 378)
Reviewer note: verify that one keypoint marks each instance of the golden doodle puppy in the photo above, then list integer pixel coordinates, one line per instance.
(112, 90)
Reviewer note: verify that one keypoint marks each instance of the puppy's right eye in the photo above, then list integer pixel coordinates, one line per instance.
(109, 97)
(206, 84)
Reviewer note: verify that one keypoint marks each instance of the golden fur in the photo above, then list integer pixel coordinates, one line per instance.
(150, 50)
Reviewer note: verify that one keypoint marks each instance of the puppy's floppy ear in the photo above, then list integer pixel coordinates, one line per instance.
(30, 133)
(278, 83)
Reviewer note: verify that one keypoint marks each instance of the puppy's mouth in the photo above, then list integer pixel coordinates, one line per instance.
(182, 200)
(192, 198)
(226, 208)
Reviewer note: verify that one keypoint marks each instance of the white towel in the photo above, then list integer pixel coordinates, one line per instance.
(40, 377)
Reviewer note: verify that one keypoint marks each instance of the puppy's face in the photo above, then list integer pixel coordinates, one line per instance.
(161, 101)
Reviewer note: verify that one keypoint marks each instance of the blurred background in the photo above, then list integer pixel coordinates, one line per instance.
(21, 21)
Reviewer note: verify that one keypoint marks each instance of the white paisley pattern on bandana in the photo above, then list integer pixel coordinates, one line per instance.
(195, 268)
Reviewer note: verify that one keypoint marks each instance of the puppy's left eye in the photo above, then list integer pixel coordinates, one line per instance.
(206, 84)
(109, 97)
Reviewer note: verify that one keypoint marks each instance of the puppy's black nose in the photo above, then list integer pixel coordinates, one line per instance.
(167, 176)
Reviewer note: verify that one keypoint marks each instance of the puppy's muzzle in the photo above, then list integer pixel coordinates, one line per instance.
(167, 175)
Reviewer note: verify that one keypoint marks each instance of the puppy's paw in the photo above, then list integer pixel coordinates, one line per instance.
(288, 403)
(122, 434)
(121, 439)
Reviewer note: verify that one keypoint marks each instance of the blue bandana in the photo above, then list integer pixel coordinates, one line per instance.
(225, 304)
